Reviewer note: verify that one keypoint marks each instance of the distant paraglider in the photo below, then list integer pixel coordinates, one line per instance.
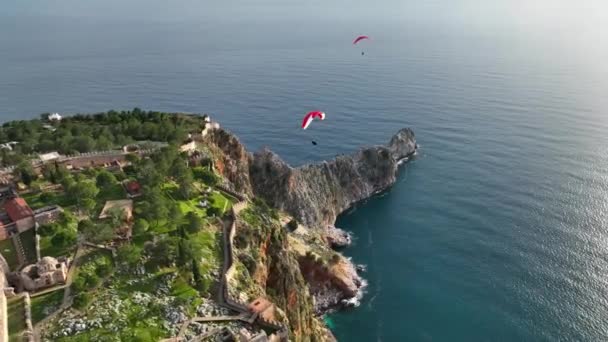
(358, 39)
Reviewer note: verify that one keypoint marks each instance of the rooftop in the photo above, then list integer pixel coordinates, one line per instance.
(49, 156)
(17, 209)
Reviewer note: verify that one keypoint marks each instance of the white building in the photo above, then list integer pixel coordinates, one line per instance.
(55, 117)
(47, 157)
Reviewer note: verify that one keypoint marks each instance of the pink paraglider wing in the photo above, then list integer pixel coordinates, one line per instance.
(360, 38)
(310, 116)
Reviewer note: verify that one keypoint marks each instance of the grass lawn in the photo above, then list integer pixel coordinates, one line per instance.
(220, 201)
(28, 241)
(44, 305)
(57, 198)
(192, 205)
(9, 253)
(16, 318)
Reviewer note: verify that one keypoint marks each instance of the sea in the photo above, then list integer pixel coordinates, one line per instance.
(496, 231)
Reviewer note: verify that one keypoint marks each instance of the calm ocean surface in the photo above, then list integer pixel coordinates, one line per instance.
(498, 231)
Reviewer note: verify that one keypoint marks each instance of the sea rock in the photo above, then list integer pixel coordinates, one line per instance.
(337, 237)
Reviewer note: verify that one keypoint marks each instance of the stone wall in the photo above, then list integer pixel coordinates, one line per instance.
(3, 311)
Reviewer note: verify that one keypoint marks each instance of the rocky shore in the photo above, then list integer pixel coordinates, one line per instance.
(338, 238)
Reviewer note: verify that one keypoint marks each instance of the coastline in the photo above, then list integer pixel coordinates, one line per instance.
(339, 240)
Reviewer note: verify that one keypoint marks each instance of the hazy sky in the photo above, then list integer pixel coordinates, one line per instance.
(578, 24)
(588, 15)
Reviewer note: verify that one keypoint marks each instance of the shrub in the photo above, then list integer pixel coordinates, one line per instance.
(292, 225)
(79, 284)
(91, 280)
(82, 300)
(103, 270)
(47, 197)
(205, 175)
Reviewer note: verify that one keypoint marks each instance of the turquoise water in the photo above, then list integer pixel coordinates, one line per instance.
(496, 231)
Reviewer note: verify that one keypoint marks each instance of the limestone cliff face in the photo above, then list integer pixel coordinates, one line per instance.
(284, 268)
(316, 194)
(231, 159)
(271, 269)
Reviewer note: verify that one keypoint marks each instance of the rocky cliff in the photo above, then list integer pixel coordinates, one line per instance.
(316, 194)
(267, 267)
(288, 268)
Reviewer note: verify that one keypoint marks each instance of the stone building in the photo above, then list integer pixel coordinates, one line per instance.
(45, 273)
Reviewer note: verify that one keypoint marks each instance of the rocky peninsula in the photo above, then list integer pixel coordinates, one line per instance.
(315, 195)
(152, 226)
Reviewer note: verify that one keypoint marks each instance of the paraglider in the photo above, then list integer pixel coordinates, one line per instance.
(308, 119)
(358, 39)
(310, 116)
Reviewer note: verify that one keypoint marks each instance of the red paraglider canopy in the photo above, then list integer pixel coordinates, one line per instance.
(360, 38)
(308, 118)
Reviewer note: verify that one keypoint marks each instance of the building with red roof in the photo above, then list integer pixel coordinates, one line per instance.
(17, 209)
(133, 188)
(17, 217)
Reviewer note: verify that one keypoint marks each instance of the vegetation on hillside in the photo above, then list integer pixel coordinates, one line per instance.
(85, 133)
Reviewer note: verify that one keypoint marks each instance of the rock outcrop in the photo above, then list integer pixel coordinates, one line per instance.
(289, 267)
(316, 194)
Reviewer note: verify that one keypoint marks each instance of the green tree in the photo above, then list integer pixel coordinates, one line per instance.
(103, 270)
(88, 205)
(98, 233)
(86, 225)
(48, 197)
(83, 144)
(117, 217)
(84, 192)
(164, 252)
(206, 176)
(195, 222)
(46, 230)
(81, 300)
(105, 178)
(140, 227)
(64, 238)
(155, 207)
(175, 215)
(214, 211)
(91, 280)
(25, 172)
(79, 284)
(129, 254)
(185, 183)
(148, 175)
(196, 275)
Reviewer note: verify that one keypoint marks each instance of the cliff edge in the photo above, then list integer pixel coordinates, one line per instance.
(316, 194)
